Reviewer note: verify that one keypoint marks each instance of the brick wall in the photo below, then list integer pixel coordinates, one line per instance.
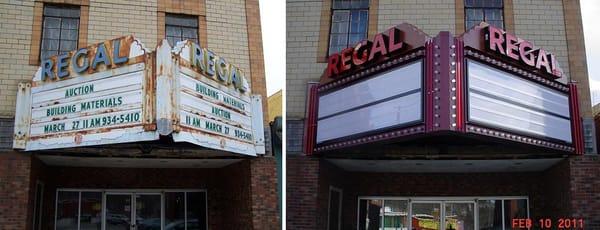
(240, 196)
(264, 194)
(302, 174)
(109, 19)
(15, 24)
(15, 182)
(431, 16)
(302, 24)
(585, 189)
(226, 31)
(549, 191)
(542, 22)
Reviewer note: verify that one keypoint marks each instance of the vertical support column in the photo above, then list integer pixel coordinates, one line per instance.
(165, 70)
(310, 123)
(22, 116)
(439, 85)
(576, 126)
(458, 81)
(15, 187)
(263, 192)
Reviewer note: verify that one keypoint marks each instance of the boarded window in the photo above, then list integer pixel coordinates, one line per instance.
(490, 11)
(60, 32)
(180, 27)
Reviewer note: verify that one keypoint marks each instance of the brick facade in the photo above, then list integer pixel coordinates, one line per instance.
(225, 30)
(567, 189)
(554, 25)
(241, 196)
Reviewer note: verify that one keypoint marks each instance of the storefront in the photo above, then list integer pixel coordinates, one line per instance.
(123, 136)
(473, 131)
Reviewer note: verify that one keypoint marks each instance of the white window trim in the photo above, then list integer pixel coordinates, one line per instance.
(131, 192)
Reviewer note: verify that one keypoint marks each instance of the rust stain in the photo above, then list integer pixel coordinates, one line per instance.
(82, 132)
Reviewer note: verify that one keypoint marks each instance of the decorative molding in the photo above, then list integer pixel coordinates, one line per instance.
(516, 138)
(373, 138)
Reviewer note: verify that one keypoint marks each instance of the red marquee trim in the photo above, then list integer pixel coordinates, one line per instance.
(310, 123)
(576, 124)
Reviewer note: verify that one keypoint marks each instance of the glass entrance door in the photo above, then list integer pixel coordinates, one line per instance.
(443, 215)
(133, 211)
(118, 213)
(426, 215)
(459, 215)
(147, 211)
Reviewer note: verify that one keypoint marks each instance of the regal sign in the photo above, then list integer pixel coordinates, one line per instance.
(119, 92)
(520, 50)
(211, 104)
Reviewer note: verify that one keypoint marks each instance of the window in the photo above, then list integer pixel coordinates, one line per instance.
(185, 210)
(92, 210)
(404, 213)
(490, 11)
(181, 27)
(335, 208)
(60, 30)
(349, 22)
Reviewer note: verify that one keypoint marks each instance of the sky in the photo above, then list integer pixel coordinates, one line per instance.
(272, 17)
(590, 12)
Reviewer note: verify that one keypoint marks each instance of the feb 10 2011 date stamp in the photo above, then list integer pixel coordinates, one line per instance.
(547, 223)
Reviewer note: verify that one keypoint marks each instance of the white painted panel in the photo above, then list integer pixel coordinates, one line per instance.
(398, 111)
(89, 106)
(196, 105)
(509, 87)
(502, 100)
(216, 142)
(258, 124)
(196, 77)
(129, 81)
(124, 135)
(214, 127)
(108, 120)
(400, 80)
(43, 86)
(501, 114)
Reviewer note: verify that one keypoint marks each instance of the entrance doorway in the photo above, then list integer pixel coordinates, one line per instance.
(440, 213)
(149, 209)
(133, 211)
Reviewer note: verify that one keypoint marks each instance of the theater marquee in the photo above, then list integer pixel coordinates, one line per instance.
(119, 92)
(92, 96)
(483, 84)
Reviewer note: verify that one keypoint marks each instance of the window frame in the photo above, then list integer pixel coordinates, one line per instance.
(482, 8)
(442, 200)
(131, 192)
(44, 17)
(197, 28)
(333, 9)
(38, 206)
